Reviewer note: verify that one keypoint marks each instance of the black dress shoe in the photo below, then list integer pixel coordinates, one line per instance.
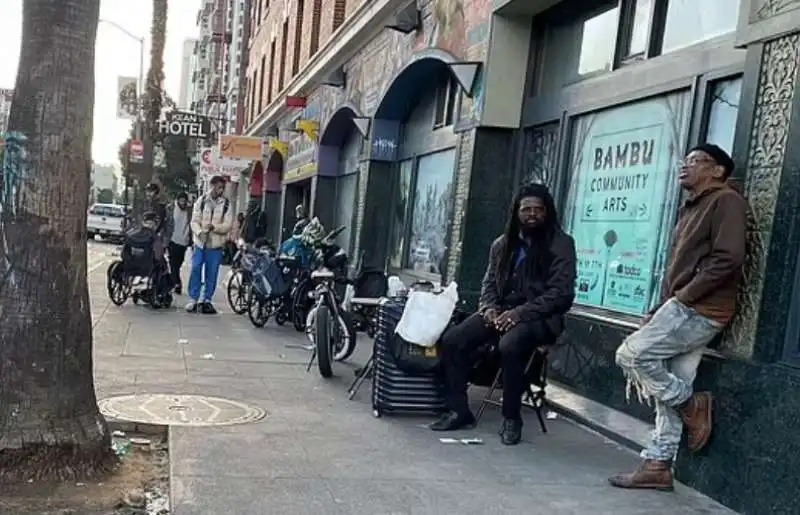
(207, 309)
(511, 433)
(453, 421)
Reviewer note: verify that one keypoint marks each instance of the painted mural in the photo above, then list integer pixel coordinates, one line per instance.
(12, 173)
(461, 27)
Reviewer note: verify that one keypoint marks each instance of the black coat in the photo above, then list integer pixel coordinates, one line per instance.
(548, 297)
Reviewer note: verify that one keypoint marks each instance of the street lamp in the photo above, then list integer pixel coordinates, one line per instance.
(139, 40)
(140, 102)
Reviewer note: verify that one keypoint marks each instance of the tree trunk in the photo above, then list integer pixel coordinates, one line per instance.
(155, 75)
(50, 425)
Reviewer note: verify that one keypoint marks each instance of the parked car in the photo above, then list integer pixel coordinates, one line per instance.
(106, 221)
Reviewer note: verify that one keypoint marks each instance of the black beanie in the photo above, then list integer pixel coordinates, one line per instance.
(718, 155)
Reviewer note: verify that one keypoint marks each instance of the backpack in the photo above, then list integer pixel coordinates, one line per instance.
(225, 206)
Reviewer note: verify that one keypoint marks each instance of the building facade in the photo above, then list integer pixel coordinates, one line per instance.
(413, 122)
(6, 96)
(185, 92)
(104, 177)
(382, 142)
(209, 76)
(233, 58)
(613, 95)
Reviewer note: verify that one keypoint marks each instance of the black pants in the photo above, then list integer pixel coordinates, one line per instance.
(516, 347)
(177, 253)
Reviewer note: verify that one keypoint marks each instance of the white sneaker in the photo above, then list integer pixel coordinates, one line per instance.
(191, 307)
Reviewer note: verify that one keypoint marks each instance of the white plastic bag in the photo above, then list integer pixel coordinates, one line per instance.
(426, 315)
(395, 286)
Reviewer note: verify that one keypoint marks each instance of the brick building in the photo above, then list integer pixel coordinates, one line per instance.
(384, 144)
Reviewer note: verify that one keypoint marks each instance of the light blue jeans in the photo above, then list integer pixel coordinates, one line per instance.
(660, 362)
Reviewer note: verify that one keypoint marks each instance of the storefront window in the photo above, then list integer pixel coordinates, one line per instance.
(346, 189)
(623, 198)
(640, 30)
(725, 95)
(433, 198)
(597, 42)
(580, 47)
(400, 211)
(692, 21)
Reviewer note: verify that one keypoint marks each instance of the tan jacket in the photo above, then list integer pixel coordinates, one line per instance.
(210, 213)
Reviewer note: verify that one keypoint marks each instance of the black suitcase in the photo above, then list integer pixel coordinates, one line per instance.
(392, 389)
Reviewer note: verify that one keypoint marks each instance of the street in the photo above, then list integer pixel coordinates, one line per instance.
(302, 448)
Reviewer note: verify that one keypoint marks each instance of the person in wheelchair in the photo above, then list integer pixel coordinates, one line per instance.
(143, 256)
(528, 287)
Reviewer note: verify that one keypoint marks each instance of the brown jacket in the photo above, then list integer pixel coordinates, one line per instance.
(708, 253)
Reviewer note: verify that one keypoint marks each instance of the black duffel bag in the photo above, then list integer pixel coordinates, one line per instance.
(415, 359)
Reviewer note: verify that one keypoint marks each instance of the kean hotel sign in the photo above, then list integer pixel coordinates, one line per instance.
(186, 125)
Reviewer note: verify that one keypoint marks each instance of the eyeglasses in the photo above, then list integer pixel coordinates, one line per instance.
(688, 163)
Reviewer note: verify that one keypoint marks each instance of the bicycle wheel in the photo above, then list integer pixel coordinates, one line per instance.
(238, 291)
(301, 304)
(257, 310)
(345, 349)
(322, 339)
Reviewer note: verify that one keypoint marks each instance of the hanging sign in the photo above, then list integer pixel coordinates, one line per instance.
(187, 125)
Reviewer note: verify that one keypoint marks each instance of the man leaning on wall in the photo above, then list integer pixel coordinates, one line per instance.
(705, 269)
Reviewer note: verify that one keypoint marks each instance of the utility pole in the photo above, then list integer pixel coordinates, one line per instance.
(139, 123)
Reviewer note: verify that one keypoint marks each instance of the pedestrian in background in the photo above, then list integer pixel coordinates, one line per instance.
(181, 238)
(158, 204)
(211, 222)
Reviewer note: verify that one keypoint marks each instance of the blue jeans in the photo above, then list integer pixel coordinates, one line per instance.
(205, 268)
(660, 361)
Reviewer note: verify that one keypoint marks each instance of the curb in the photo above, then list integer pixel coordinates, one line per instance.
(620, 428)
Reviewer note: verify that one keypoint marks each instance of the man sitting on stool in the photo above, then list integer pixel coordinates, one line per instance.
(528, 286)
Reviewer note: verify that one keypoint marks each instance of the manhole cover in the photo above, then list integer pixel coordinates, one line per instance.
(180, 410)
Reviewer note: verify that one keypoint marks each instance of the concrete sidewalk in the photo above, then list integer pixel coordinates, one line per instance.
(317, 453)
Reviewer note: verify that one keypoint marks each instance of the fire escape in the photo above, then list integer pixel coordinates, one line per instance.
(220, 39)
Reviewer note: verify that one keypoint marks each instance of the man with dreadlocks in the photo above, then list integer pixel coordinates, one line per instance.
(528, 287)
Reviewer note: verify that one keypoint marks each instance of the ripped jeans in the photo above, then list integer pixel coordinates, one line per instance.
(660, 362)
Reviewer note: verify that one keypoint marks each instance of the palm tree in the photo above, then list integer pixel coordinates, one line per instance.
(155, 76)
(50, 425)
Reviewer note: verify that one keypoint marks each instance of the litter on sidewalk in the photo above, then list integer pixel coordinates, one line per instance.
(465, 441)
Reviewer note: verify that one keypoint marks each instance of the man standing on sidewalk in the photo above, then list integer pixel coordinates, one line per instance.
(660, 360)
(211, 221)
(181, 237)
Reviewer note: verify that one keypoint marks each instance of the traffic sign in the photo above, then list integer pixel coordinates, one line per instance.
(136, 151)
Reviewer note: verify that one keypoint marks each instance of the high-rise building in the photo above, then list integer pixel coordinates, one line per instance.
(187, 66)
(217, 59)
(209, 73)
(104, 177)
(235, 51)
(5, 107)
(200, 76)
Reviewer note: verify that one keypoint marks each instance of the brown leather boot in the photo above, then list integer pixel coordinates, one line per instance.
(651, 474)
(696, 415)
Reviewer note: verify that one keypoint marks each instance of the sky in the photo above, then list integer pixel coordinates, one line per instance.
(116, 55)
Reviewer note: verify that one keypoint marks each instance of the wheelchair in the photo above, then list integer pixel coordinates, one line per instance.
(151, 285)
